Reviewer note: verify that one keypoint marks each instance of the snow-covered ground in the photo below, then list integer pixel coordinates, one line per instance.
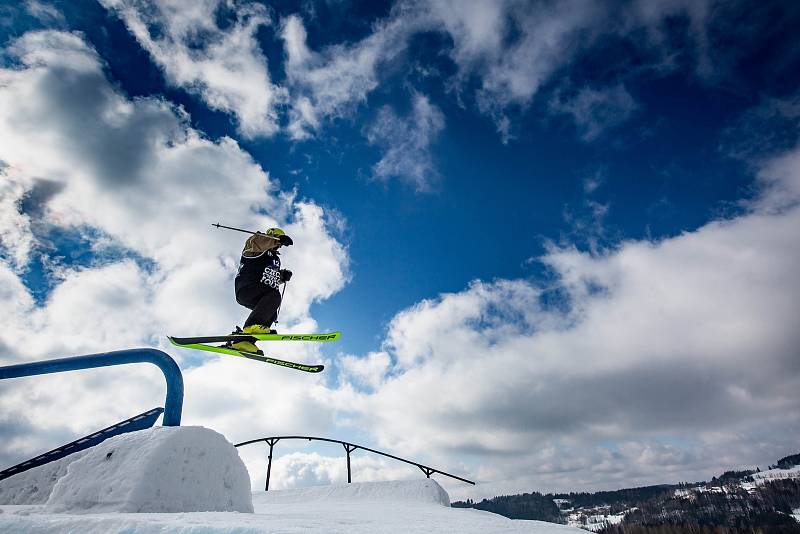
(408, 507)
(193, 468)
(594, 519)
(774, 474)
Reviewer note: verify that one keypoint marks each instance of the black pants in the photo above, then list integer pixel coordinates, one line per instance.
(262, 300)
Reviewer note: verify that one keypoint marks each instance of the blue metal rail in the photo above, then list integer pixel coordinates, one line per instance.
(173, 404)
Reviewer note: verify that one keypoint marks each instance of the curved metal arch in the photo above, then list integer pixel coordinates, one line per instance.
(348, 447)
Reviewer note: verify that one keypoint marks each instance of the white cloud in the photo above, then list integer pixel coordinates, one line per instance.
(595, 111)
(16, 238)
(332, 82)
(775, 120)
(663, 361)
(143, 181)
(406, 143)
(298, 469)
(44, 12)
(511, 47)
(225, 66)
(781, 182)
(369, 371)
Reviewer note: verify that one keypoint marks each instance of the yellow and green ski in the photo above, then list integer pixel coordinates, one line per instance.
(327, 336)
(199, 343)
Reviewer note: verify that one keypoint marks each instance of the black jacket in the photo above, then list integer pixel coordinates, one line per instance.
(265, 268)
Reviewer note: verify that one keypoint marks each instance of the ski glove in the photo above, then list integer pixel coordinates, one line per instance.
(285, 241)
(286, 275)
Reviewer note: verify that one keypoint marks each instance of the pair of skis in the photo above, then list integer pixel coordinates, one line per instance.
(202, 343)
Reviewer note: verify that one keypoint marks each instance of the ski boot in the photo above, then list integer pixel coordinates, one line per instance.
(257, 329)
(245, 345)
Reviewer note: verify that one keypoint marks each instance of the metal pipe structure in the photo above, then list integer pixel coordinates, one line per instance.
(348, 447)
(269, 465)
(173, 405)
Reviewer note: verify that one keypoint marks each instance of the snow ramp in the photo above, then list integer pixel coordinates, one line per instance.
(161, 469)
(425, 491)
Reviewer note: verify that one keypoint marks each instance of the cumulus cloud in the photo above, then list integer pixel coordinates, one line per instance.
(299, 469)
(78, 154)
(406, 144)
(368, 372)
(658, 361)
(16, 238)
(223, 65)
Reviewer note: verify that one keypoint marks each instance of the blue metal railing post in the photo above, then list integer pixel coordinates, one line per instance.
(173, 405)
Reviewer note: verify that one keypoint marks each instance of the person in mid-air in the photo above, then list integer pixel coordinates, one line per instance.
(257, 283)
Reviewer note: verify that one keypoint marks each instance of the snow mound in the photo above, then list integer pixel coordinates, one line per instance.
(160, 469)
(402, 491)
(35, 485)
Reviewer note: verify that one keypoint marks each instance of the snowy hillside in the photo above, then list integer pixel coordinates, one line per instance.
(188, 469)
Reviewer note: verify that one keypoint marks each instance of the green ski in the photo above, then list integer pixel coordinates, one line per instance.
(249, 355)
(328, 336)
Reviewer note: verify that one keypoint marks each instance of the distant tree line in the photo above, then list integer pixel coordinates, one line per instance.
(524, 506)
(734, 508)
(618, 499)
(787, 462)
(726, 508)
(733, 476)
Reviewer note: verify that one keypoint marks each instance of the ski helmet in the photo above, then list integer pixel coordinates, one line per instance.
(275, 232)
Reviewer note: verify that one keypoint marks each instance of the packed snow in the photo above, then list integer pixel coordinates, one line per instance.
(410, 507)
(416, 491)
(127, 483)
(161, 469)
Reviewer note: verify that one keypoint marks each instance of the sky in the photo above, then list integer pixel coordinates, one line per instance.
(559, 237)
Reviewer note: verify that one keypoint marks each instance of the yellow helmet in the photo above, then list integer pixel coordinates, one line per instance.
(280, 235)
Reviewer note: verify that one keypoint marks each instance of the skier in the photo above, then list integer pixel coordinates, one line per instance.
(257, 283)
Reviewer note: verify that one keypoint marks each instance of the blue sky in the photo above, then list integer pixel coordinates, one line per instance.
(476, 151)
(664, 172)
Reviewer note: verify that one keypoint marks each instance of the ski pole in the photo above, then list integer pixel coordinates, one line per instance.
(277, 313)
(218, 225)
